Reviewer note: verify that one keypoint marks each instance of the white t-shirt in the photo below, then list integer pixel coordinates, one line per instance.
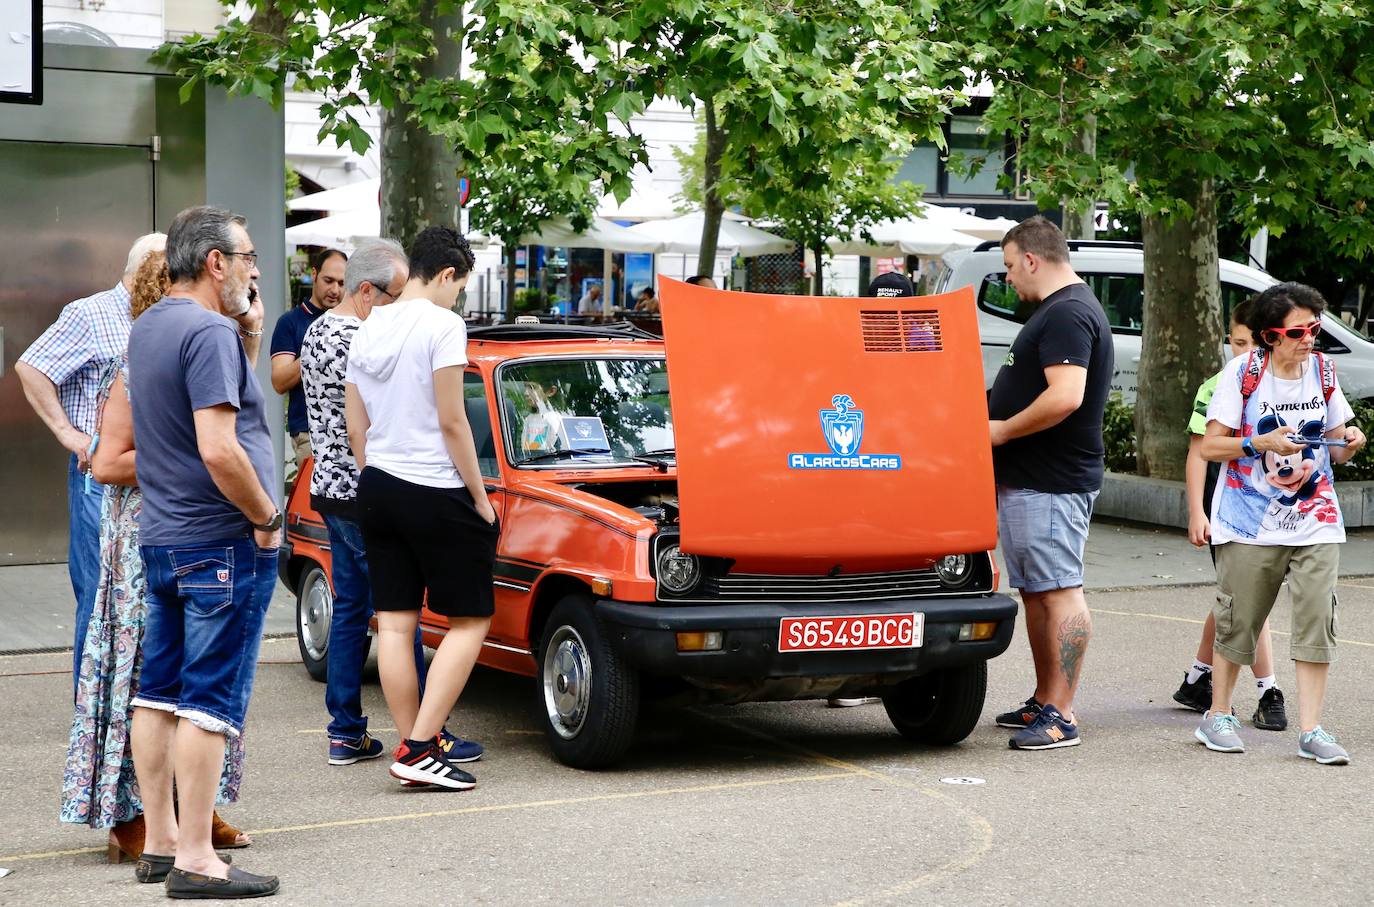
(392, 362)
(1269, 499)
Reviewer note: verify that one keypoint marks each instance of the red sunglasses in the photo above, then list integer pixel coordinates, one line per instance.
(1271, 335)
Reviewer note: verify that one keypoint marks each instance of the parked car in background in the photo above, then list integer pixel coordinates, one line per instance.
(603, 597)
(1115, 271)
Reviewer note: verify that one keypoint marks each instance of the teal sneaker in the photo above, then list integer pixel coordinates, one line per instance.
(1319, 745)
(1218, 733)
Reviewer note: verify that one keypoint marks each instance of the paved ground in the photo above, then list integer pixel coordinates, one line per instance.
(773, 804)
(36, 602)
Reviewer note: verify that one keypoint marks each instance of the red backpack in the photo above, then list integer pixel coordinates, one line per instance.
(1258, 361)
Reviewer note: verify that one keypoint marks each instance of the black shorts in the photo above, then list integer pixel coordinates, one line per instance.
(422, 539)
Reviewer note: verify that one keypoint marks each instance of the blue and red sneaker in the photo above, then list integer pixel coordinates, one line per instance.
(1050, 730)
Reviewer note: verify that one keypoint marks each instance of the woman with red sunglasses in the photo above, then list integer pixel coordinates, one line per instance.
(1275, 515)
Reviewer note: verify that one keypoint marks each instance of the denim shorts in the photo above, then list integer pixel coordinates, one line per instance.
(206, 607)
(1043, 536)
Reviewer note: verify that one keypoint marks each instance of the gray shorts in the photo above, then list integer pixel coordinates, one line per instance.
(1042, 536)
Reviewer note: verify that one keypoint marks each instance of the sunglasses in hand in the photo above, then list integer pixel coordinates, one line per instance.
(1298, 332)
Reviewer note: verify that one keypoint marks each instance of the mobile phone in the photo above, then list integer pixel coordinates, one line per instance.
(1318, 442)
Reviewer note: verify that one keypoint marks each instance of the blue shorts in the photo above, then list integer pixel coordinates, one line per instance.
(1043, 536)
(206, 607)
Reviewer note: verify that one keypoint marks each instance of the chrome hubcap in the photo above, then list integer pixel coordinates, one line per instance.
(316, 612)
(567, 682)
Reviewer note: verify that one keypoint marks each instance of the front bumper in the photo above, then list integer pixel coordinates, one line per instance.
(646, 635)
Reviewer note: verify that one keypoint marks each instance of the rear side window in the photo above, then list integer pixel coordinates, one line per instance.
(1122, 297)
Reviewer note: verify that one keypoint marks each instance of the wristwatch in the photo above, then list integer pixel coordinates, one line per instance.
(272, 525)
(1247, 444)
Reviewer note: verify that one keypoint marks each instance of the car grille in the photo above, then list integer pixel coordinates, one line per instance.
(757, 587)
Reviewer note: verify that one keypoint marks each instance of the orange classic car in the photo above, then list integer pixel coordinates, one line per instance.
(807, 514)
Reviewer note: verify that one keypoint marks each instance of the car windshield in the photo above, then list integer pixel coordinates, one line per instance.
(588, 410)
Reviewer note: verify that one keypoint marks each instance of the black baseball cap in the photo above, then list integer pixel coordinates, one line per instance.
(891, 284)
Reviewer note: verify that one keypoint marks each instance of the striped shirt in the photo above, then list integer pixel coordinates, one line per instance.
(75, 350)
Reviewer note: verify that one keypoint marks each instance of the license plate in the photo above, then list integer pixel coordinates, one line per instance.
(867, 631)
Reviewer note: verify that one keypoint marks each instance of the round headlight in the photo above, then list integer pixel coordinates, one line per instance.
(677, 571)
(954, 570)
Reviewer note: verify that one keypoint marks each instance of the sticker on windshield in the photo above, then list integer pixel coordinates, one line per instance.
(585, 433)
(843, 430)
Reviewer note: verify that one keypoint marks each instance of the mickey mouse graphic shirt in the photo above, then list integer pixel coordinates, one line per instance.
(1272, 499)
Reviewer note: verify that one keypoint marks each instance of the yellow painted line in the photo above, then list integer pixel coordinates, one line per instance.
(1354, 585)
(525, 732)
(1189, 620)
(497, 808)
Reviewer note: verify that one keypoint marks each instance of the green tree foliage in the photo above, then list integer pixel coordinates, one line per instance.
(1269, 101)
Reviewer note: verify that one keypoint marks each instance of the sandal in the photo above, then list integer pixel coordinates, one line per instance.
(224, 836)
(126, 841)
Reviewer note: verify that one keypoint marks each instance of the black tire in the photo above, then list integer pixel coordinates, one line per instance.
(941, 708)
(587, 694)
(314, 611)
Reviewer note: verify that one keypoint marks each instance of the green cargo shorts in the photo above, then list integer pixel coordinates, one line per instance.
(1248, 581)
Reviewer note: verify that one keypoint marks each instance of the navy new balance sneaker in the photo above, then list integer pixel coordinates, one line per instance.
(347, 752)
(1050, 730)
(456, 749)
(1021, 716)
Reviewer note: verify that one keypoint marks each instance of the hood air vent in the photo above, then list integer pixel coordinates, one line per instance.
(903, 331)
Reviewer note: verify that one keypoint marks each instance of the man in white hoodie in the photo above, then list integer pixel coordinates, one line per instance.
(421, 500)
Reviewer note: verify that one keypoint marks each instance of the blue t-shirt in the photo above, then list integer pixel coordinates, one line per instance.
(286, 338)
(182, 358)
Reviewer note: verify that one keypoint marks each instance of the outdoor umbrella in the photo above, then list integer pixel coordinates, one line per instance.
(683, 235)
(339, 231)
(895, 238)
(600, 234)
(972, 224)
(342, 198)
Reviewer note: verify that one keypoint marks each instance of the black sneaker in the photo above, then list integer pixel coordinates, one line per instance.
(1270, 715)
(1021, 716)
(1196, 695)
(427, 764)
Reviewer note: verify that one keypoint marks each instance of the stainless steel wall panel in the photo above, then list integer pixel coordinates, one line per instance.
(68, 214)
(97, 108)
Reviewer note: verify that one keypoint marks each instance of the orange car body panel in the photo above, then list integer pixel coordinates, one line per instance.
(749, 421)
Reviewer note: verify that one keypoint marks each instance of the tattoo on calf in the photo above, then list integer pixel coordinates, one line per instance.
(1073, 643)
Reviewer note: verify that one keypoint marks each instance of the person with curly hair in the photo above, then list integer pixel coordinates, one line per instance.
(98, 785)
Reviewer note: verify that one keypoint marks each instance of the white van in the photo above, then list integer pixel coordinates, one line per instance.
(1115, 272)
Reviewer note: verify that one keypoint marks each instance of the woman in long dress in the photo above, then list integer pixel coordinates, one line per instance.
(99, 787)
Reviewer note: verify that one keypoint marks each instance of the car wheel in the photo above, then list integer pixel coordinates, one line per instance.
(940, 708)
(588, 693)
(314, 611)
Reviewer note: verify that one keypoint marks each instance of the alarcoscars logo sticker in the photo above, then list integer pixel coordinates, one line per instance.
(843, 429)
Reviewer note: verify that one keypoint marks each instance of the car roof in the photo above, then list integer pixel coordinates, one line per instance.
(497, 343)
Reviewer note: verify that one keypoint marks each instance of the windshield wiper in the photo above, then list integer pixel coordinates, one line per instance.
(555, 454)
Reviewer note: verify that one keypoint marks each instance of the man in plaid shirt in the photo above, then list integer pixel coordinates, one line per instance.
(60, 374)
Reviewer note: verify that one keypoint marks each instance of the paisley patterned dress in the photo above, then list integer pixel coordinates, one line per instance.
(99, 788)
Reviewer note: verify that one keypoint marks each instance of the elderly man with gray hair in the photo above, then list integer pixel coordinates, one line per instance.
(60, 373)
(374, 276)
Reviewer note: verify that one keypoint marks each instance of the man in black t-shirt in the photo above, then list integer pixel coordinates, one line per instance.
(1046, 426)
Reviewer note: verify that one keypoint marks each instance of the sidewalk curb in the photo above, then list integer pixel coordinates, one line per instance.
(1163, 502)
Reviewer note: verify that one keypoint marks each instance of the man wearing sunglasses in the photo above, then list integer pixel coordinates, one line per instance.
(1275, 515)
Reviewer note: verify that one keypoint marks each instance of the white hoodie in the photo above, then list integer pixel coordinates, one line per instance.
(392, 362)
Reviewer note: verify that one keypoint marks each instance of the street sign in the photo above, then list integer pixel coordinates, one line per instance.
(464, 190)
(21, 52)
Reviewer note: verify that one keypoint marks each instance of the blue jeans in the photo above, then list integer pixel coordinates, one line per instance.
(206, 607)
(83, 552)
(343, 691)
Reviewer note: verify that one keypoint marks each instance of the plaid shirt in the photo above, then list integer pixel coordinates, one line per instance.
(73, 352)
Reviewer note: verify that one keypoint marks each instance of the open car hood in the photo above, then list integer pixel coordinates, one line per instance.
(823, 434)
